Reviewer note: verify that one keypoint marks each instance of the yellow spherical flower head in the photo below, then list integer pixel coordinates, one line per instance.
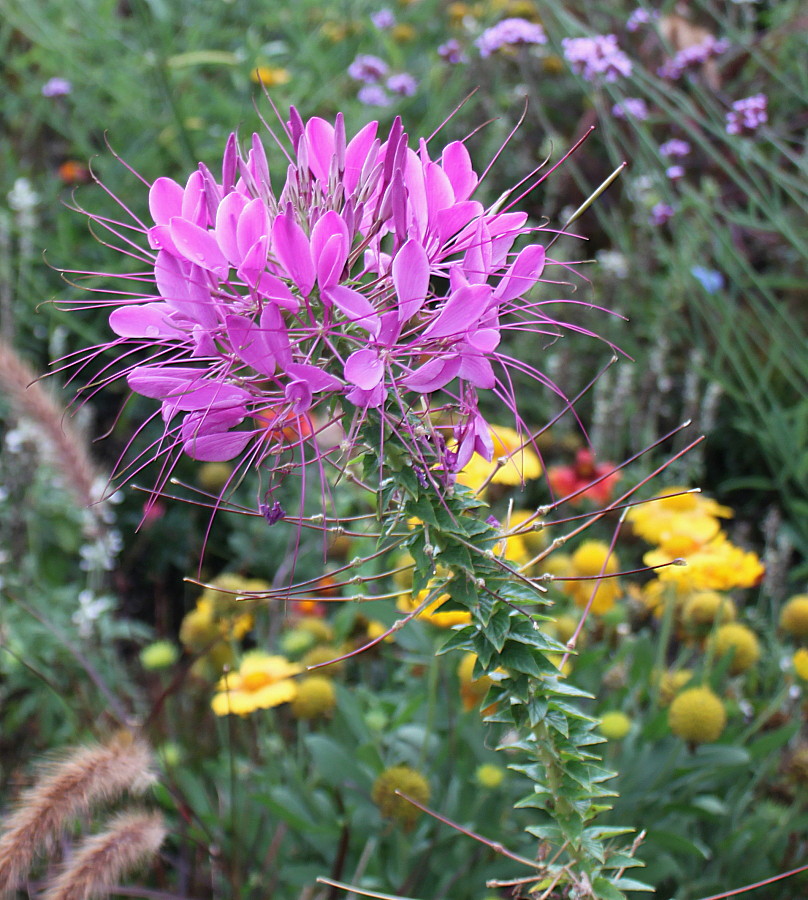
(653, 519)
(318, 628)
(213, 476)
(591, 559)
(159, 655)
(800, 662)
(409, 782)
(794, 616)
(262, 681)
(325, 653)
(228, 598)
(670, 683)
(448, 619)
(739, 640)
(703, 609)
(316, 698)
(514, 461)
(199, 630)
(697, 715)
(615, 725)
(489, 776)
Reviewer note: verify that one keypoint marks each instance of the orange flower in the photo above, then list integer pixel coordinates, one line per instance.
(284, 426)
(566, 480)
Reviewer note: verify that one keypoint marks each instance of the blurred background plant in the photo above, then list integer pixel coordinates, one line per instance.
(698, 243)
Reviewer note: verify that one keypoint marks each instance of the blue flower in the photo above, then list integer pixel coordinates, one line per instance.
(711, 280)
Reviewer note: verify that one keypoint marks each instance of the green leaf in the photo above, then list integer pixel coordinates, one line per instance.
(605, 890)
(519, 658)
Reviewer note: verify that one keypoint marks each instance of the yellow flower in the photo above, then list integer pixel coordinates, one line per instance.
(269, 76)
(742, 642)
(262, 681)
(409, 782)
(719, 565)
(315, 697)
(670, 683)
(794, 616)
(800, 662)
(402, 33)
(159, 655)
(535, 540)
(213, 476)
(511, 464)
(703, 608)
(489, 776)
(472, 690)
(615, 725)
(697, 715)
(658, 517)
(588, 560)
(199, 629)
(408, 603)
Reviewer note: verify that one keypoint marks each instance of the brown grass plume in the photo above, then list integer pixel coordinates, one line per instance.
(100, 862)
(65, 790)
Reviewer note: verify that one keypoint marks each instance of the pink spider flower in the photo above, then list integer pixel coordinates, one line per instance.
(367, 279)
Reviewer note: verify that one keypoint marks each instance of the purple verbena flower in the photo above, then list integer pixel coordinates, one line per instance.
(56, 87)
(383, 19)
(597, 57)
(674, 148)
(630, 107)
(507, 33)
(402, 84)
(690, 57)
(374, 95)
(639, 17)
(264, 314)
(747, 115)
(660, 213)
(367, 68)
(675, 172)
(452, 52)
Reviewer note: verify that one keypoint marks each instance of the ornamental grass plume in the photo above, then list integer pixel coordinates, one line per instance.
(368, 285)
(101, 861)
(67, 789)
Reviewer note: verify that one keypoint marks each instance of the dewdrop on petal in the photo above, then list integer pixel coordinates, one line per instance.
(697, 715)
(409, 782)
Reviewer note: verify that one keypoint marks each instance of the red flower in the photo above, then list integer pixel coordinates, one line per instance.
(585, 479)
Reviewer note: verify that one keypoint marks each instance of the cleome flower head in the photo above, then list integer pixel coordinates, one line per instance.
(368, 279)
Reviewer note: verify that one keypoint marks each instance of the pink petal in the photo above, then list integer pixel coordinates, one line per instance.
(373, 398)
(461, 313)
(448, 222)
(255, 261)
(330, 244)
(165, 200)
(522, 275)
(410, 278)
(364, 369)
(355, 307)
(276, 336)
(250, 344)
(477, 259)
(357, 153)
(184, 288)
(253, 225)
(227, 217)
(198, 246)
(147, 320)
(433, 375)
(485, 339)
(274, 289)
(315, 378)
(320, 138)
(291, 246)
(476, 369)
(194, 206)
(457, 166)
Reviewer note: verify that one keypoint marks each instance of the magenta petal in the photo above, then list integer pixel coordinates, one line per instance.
(320, 138)
(364, 369)
(274, 289)
(449, 221)
(299, 395)
(355, 307)
(255, 261)
(253, 224)
(165, 200)
(250, 344)
(457, 166)
(485, 339)
(194, 205)
(330, 244)
(373, 398)
(198, 246)
(411, 278)
(217, 447)
(461, 313)
(504, 229)
(183, 287)
(184, 388)
(291, 246)
(476, 369)
(315, 378)
(523, 274)
(356, 154)
(477, 259)
(147, 320)
(439, 193)
(227, 216)
(433, 375)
